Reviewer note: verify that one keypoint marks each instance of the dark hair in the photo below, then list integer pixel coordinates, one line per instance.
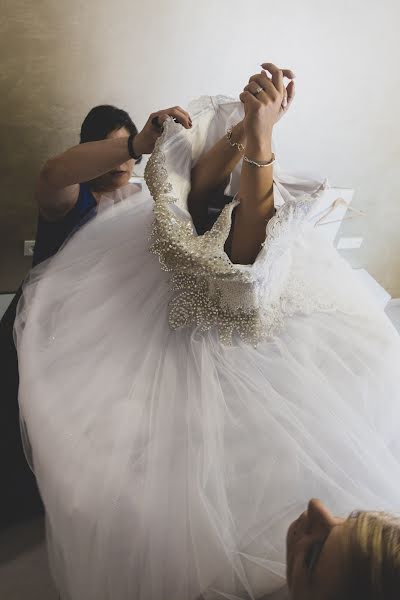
(104, 119)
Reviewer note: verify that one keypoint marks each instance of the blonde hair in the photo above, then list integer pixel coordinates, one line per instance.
(373, 556)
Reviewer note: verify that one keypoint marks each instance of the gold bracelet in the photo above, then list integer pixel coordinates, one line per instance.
(237, 145)
(260, 163)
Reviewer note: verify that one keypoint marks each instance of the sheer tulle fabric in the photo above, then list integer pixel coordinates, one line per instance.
(171, 464)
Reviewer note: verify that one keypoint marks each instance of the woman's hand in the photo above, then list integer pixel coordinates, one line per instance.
(264, 107)
(145, 141)
(289, 91)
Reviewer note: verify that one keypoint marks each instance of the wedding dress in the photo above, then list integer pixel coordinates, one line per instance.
(180, 410)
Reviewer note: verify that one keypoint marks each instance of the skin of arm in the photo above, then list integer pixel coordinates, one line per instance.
(256, 202)
(210, 175)
(57, 187)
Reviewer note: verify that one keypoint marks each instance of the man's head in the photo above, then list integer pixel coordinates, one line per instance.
(107, 122)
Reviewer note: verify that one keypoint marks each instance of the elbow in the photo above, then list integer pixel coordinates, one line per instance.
(51, 174)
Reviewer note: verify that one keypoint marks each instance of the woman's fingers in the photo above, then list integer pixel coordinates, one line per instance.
(286, 72)
(248, 99)
(262, 80)
(276, 76)
(254, 88)
(273, 84)
(288, 96)
(291, 92)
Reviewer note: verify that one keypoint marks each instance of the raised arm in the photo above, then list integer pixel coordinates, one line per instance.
(211, 173)
(262, 99)
(57, 188)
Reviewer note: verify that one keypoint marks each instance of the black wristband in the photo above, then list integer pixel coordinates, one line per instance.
(131, 150)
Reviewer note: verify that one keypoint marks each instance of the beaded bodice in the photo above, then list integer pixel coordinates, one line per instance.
(249, 301)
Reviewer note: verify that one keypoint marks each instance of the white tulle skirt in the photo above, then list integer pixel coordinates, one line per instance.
(171, 465)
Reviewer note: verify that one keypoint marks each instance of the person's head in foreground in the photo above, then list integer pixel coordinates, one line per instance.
(357, 558)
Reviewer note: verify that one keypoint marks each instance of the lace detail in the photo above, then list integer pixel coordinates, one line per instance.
(251, 301)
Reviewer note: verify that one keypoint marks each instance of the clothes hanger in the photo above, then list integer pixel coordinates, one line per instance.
(338, 202)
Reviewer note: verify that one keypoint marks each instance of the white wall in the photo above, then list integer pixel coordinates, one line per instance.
(67, 57)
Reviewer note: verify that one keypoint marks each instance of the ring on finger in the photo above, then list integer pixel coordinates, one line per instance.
(258, 90)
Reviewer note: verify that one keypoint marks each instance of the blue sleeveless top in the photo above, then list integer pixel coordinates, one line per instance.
(50, 235)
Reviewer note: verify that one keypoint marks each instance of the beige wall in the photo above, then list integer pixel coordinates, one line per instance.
(61, 58)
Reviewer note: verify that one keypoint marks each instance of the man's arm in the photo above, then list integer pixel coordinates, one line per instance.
(57, 188)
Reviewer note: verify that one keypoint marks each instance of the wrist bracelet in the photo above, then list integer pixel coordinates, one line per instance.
(131, 150)
(260, 163)
(237, 145)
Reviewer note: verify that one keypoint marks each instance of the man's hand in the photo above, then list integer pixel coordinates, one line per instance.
(145, 141)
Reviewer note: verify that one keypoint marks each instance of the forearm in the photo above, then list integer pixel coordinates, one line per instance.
(256, 183)
(256, 204)
(85, 162)
(215, 166)
(211, 173)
